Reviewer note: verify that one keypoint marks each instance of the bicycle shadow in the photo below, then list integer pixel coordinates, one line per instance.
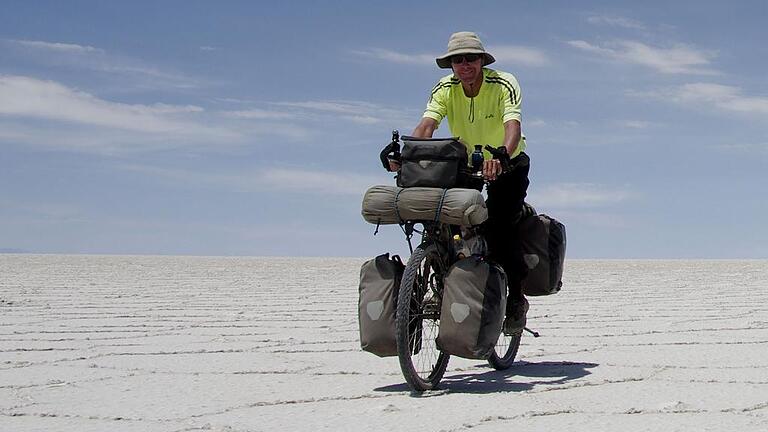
(510, 380)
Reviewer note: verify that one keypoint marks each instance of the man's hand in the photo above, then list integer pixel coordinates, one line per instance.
(491, 169)
(394, 165)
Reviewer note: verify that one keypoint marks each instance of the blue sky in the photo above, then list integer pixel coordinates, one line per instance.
(253, 128)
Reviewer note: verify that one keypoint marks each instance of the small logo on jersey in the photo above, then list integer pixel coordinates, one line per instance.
(489, 116)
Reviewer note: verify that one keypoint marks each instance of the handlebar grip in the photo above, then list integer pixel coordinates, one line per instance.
(384, 157)
(393, 149)
(500, 153)
(508, 164)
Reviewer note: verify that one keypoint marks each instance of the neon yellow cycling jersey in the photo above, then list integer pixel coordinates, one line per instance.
(478, 120)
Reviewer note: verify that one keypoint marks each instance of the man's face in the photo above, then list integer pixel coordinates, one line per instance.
(467, 67)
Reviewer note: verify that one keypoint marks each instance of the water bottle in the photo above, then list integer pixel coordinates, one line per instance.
(477, 159)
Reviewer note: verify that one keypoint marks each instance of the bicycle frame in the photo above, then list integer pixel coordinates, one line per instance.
(438, 235)
(433, 233)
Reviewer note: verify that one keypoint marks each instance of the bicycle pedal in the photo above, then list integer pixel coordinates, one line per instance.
(534, 333)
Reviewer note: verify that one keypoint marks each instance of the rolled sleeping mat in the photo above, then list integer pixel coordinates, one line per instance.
(383, 205)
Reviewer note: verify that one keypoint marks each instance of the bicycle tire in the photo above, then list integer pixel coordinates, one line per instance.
(504, 353)
(418, 319)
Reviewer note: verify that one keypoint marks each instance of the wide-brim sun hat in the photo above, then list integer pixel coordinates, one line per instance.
(463, 43)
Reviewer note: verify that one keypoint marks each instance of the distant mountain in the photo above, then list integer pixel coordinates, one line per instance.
(12, 251)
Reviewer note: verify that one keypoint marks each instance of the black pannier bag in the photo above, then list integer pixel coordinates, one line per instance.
(543, 242)
(432, 162)
(472, 313)
(379, 286)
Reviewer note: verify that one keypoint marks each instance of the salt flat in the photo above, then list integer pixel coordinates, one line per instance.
(124, 343)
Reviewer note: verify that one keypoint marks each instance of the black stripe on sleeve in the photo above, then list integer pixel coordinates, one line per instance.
(510, 88)
(440, 86)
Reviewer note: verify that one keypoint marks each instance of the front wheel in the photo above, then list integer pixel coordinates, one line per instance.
(504, 352)
(418, 320)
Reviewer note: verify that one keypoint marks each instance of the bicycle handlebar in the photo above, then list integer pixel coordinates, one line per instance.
(391, 152)
(507, 164)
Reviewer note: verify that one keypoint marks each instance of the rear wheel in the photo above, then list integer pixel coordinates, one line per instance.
(418, 320)
(504, 353)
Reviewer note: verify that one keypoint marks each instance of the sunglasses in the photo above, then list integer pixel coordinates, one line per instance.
(459, 59)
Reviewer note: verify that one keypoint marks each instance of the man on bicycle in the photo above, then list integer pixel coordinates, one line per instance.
(483, 107)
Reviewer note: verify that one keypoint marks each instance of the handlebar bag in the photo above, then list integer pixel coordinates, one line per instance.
(472, 313)
(432, 162)
(379, 286)
(543, 242)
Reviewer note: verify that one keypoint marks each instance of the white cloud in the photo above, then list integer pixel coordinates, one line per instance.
(518, 55)
(301, 180)
(679, 59)
(364, 120)
(513, 54)
(149, 76)
(577, 195)
(49, 114)
(353, 111)
(616, 21)
(29, 97)
(287, 180)
(396, 57)
(83, 57)
(722, 97)
(726, 97)
(339, 107)
(45, 113)
(586, 46)
(747, 148)
(302, 119)
(635, 124)
(56, 46)
(260, 114)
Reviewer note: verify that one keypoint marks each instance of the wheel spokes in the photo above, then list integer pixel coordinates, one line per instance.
(426, 357)
(424, 322)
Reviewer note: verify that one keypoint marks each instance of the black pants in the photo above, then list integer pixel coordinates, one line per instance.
(505, 204)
